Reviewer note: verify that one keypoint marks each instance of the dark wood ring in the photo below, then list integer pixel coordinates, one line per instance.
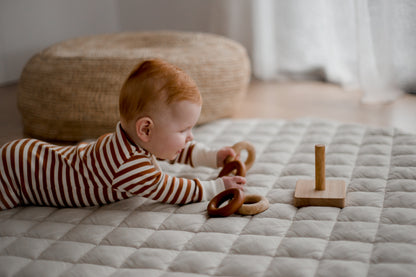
(236, 198)
(231, 166)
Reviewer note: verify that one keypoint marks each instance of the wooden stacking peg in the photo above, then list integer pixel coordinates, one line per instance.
(320, 167)
(320, 192)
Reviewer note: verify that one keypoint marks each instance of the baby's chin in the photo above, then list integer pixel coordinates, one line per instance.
(169, 157)
(176, 155)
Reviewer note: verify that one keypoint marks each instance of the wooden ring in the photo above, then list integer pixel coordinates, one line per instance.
(236, 198)
(236, 165)
(253, 204)
(251, 152)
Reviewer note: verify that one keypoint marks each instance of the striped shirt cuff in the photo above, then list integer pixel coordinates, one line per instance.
(204, 156)
(212, 188)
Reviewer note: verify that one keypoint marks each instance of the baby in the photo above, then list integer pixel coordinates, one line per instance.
(159, 105)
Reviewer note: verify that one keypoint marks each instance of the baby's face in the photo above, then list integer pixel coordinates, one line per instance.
(173, 129)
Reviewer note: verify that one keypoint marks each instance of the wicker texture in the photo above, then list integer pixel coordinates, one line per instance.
(69, 91)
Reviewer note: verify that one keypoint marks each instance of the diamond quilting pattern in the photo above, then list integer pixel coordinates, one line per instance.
(374, 235)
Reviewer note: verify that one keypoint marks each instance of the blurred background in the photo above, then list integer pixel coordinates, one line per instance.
(365, 49)
(363, 43)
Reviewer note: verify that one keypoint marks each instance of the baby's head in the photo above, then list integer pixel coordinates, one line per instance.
(157, 101)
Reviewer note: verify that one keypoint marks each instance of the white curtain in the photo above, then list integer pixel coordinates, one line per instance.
(362, 44)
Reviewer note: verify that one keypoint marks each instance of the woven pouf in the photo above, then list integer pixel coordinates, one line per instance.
(69, 91)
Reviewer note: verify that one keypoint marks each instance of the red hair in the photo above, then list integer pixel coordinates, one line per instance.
(153, 81)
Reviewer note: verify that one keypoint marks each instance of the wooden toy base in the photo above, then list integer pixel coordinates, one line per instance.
(307, 195)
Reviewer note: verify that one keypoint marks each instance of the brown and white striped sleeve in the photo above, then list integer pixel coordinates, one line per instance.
(138, 176)
(197, 154)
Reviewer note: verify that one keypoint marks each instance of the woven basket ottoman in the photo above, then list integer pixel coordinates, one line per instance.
(69, 91)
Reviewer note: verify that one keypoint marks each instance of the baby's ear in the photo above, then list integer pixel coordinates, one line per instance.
(144, 126)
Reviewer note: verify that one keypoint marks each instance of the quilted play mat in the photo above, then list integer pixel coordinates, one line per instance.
(373, 235)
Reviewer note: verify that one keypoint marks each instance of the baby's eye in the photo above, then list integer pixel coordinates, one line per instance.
(186, 130)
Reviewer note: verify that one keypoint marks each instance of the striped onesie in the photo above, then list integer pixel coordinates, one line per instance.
(110, 169)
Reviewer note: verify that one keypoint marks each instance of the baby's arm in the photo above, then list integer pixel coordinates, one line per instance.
(197, 154)
(138, 176)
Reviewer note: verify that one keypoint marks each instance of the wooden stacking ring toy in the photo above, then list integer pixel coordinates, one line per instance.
(251, 151)
(253, 204)
(238, 166)
(236, 198)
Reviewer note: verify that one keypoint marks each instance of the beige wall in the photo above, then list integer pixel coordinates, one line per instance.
(28, 26)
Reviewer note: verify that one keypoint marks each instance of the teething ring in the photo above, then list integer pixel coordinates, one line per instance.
(231, 166)
(236, 198)
(251, 151)
(253, 204)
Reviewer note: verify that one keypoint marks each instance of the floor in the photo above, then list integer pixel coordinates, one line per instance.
(323, 100)
(272, 100)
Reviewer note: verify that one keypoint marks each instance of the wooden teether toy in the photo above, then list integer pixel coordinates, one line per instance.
(251, 153)
(235, 197)
(229, 167)
(253, 204)
(245, 205)
(320, 192)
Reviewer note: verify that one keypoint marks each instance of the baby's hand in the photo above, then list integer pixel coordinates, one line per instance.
(234, 182)
(223, 154)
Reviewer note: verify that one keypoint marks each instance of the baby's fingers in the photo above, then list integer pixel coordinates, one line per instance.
(239, 180)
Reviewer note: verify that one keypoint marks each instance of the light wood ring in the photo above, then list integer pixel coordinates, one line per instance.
(236, 198)
(236, 167)
(251, 151)
(253, 204)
